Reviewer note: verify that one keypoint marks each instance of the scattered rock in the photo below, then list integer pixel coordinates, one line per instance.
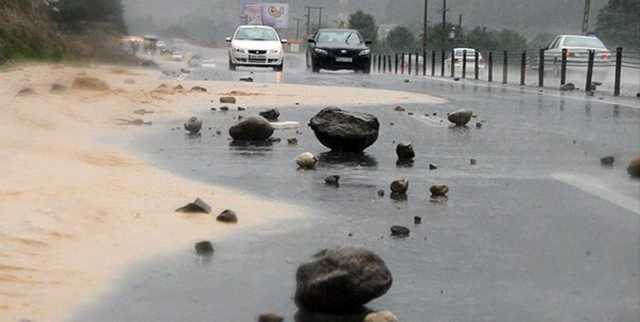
(27, 91)
(90, 84)
(129, 81)
(185, 71)
(332, 180)
(198, 206)
(224, 108)
(240, 108)
(456, 79)
(473, 161)
(399, 109)
(607, 161)
(193, 126)
(228, 216)
(568, 87)
(179, 87)
(400, 231)
(380, 193)
(341, 280)
(478, 125)
(218, 132)
(344, 131)
(405, 152)
(292, 141)
(638, 95)
(439, 190)
(142, 111)
(271, 115)
(270, 317)
(148, 63)
(410, 113)
(417, 220)
(246, 79)
(254, 128)
(57, 88)
(433, 166)
(204, 248)
(198, 89)
(460, 117)
(227, 100)
(407, 81)
(383, 316)
(634, 168)
(400, 186)
(307, 161)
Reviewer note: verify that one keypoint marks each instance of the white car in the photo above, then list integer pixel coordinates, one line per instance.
(578, 48)
(458, 58)
(256, 46)
(177, 56)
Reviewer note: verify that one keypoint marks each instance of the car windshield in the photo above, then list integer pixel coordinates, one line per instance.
(347, 36)
(259, 34)
(586, 42)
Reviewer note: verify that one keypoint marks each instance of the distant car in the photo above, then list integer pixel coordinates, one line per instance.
(336, 49)
(458, 58)
(177, 56)
(578, 48)
(258, 46)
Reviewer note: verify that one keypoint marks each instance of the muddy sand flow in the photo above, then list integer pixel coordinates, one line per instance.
(75, 213)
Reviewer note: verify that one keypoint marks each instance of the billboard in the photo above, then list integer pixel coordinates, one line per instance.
(261, 13)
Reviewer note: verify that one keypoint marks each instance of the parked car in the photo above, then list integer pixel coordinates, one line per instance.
(258, 46)
(458, 58)
(578, 48)
(336, 49)
(177, 56)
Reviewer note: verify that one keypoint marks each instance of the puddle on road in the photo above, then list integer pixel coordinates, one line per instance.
(510, 244)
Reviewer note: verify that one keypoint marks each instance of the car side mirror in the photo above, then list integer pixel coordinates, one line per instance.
(228, 39)
(312, 41)
(368, 42)
(284, 41)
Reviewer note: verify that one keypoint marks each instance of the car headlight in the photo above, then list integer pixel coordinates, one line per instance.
(240, 50)
(274, 51)
(365, 52)
(320, 51)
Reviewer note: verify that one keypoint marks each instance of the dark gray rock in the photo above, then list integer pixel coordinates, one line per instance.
(460, 117)
(332, 180)
(399, 109)
(380, 193)
(417, 220)
(224, 108)
(27, 91)
(240, 108)
(400, 186)
(473, 162)
(227, 100)
(478, 125)
(405, 152)
(254, 128)
(608, 161)
(634, 168)
(344, 131)
(228, 216)
(568, 87)
(433, 166)
(193, 125)
(179, 87)
(341, 280)
(439, 190)
(292, 141)
(204, 248)
(246, 79)
(400, 231)
(271, 115)
(198, 89)
(270, 317)
(58, 88)
(198, 206)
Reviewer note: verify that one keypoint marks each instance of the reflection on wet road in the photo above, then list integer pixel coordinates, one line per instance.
(536, 231)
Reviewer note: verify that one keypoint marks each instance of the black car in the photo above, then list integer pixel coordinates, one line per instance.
(336, 49)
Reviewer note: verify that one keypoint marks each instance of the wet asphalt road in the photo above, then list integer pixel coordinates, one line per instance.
(536, 231)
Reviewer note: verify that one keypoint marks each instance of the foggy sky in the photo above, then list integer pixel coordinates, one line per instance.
(527, 16)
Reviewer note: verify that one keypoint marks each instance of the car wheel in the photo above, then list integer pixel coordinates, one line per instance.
(232, 66)
(315, 66)
(279, 68)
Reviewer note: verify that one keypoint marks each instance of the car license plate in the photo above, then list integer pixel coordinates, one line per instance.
(344, 59)
(257, 57)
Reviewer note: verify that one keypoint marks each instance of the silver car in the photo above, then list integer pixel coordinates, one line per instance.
(578, 48)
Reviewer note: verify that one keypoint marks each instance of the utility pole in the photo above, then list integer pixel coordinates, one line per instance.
(444, 24)
(424, 27)
(308, 15)
(460, 22)
(298, 20)
(587, 17)
(320, 17)
(308, 10)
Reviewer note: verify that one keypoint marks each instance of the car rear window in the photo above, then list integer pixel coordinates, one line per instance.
(586, 42)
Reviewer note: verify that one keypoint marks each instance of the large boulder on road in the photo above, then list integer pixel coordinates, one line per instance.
(461, 117)
(254, 128)
(634, 168)
(341, 280)
(344, 131)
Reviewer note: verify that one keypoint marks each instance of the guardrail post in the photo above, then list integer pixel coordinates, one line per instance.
(505, 67)
(442, 62)
(464, 64)
(592, 56)
(523, 68)
(384, 64)
(379, 64)
(396, 63)
(563, 67)
(541, 63)
(433, 63)
(409, 64)
(490, 76)
(477, 68)
(402, 63)
(417, 64)
(616, 86)
(424, 62)
(390, 65)
(453, 64)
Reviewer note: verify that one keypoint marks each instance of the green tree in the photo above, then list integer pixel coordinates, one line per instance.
(510, 40)
(365, 24)
(74, 13)
(482, 39)
(541, 41)
(619, 23)
(439, 38)
(401, 39)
